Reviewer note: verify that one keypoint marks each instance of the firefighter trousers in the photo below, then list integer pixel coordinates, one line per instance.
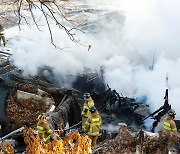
(84, 119)
(94, 141)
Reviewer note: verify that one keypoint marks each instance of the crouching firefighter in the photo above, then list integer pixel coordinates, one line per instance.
(44, 131)
(88, 103)
(171, 130)
(93, 126)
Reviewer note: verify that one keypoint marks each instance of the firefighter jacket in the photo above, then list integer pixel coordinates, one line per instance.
(93, 124)
(85, 112)
(167, 125)
(43, 130)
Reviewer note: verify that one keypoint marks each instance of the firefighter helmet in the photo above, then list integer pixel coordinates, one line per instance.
(42, 116)
(87, 95)
(93, 109)
(171, 113)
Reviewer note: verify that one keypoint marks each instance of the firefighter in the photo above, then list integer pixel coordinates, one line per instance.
(2, 35)
(169, 124)
(88, 103)
(93, 126)
(44, 131)
(171, 130)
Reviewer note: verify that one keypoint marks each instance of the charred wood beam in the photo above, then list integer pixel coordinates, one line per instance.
(68, 112)
(61, 103)
(100, 100)
(160, 112)
(13, 77)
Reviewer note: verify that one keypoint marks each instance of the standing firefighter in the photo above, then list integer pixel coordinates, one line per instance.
(88, 103)
(2, 35)
(169, 124)
(44, 131)
(93, 126)
(170, 129)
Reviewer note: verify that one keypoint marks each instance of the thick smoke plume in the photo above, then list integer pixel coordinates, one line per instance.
(136, 42)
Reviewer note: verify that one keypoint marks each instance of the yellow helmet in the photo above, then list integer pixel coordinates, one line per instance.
(41, 116)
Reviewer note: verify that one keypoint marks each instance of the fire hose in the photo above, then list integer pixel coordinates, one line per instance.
(69, 127)
(11, 134)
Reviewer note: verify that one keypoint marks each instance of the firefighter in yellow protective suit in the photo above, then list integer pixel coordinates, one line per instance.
(2, 35)
(169, 124)
(93, 126)
(171, 130)
(44, 131)
(88, 103)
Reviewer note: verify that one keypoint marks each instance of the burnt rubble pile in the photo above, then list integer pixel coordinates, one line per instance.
(24, 87)
(23, 112)
(25, 102)
(128, 141)
(120, 109)
(25, 97)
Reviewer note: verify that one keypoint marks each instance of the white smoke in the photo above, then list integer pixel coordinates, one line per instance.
(111, 128)
(151, 27)
(128, 35)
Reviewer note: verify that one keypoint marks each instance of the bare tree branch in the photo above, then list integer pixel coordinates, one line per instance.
(50, 9)
(19, 12)
(30, 9)
(48, 26)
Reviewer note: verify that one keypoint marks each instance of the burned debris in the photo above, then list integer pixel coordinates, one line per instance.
(159, 113)
(129, 141)
(27, 97)
(124, 109)
(24, 107)
(30, 93)
(67, 113)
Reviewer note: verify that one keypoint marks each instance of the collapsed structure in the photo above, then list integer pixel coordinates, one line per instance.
(24, 98)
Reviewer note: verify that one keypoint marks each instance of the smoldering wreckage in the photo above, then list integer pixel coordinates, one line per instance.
(24, 98)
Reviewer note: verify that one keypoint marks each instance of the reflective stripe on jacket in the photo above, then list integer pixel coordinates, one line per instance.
(167, 126)
(85, 112)
(44, 134)
(90, 104)
(94, 126)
